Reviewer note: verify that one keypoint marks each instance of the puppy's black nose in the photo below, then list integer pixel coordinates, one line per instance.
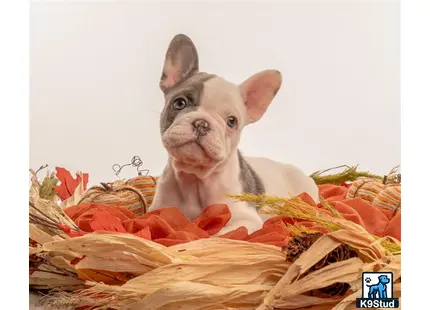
(201, 127)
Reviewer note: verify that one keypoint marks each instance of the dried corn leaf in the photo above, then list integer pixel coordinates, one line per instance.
(33, 250)
(214, 271)
(180, 295)
(213, 263)
(51, 213)
(210, 246)
(192, 295)
(319, 249)
(103, 276)
(349, 271)
(40, 236)
(111, 264)
(283, 296)
(339, 272)
(49, 280)
(122, 247)
(361, 243)
(61, 263)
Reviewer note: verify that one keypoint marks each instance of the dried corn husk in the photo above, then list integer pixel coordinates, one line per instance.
(46, 214)
(219, 273)
(289, 291)
(52, 270)
(211, 273)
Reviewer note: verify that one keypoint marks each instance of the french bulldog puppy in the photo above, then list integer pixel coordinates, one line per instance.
(201, 125)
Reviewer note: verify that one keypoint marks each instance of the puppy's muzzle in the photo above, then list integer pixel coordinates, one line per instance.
(201, 127)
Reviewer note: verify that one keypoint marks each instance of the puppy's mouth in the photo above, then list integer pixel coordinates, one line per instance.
(195, 150)
(194, 153)
(195, 143)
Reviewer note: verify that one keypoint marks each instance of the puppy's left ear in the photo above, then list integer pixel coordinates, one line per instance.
(258, 92)
(180, 63)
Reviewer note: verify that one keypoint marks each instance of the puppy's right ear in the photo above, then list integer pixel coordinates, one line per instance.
(181, 62)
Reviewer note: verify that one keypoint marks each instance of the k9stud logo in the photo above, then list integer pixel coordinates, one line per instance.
(377, 291)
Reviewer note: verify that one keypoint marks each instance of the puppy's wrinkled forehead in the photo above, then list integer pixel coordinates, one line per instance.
(203, 91)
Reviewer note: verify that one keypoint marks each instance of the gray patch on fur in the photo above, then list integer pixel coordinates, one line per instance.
(251, 182)
(182, 52)
(191, 89)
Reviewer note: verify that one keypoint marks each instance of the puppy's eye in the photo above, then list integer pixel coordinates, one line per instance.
(179, 103)
(231, 121)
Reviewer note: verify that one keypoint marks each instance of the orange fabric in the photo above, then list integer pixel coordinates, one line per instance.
(169, 226)
(238, 234)
(172, 215)
(213, 218)
(333, 192)
(177, 237)
(275, 234)
(375, 220)
(393, 227)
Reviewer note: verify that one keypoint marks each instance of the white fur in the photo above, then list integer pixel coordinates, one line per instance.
(191, 195)
(202, 170)
(283, 180)
(192, 180)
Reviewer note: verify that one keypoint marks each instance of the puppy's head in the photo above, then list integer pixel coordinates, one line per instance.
(204, 114)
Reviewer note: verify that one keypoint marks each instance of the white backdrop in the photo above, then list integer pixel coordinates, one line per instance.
(95, 67)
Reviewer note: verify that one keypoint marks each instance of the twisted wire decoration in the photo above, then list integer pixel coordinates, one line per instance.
(136, 161)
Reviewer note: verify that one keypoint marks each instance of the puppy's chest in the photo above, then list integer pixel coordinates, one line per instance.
(200, 195)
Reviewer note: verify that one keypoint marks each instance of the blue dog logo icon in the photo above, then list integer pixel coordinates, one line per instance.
(378, 290)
